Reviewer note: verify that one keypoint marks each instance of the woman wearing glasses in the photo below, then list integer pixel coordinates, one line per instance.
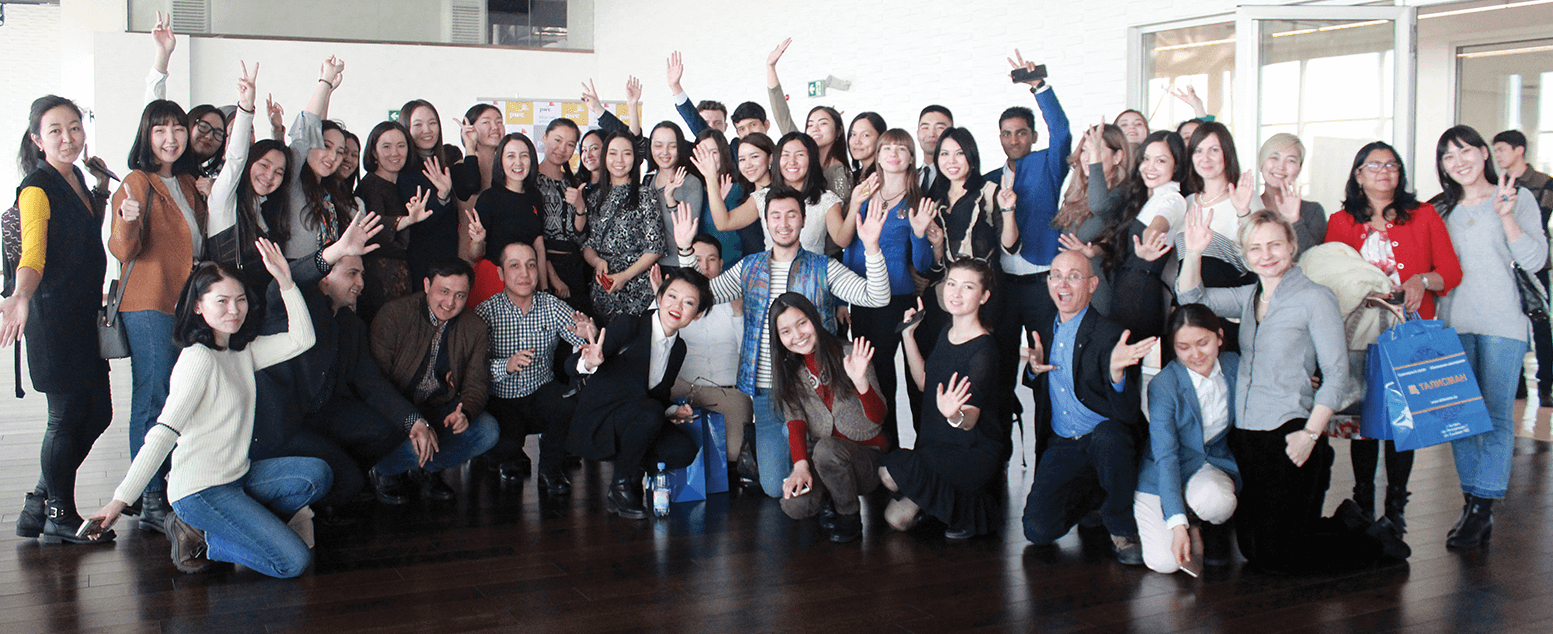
(1406, 239)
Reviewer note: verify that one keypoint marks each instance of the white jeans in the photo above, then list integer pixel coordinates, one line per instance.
(1210, 495)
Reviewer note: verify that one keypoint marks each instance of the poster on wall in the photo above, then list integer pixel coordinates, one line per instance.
(532, 116)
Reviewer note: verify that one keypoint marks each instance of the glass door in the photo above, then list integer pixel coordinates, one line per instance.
(1336, 77)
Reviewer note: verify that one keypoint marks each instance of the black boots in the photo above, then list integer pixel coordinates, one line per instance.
(748, 469)
(388, 489)
(1475, 526)
(625, 497)
(154, 510)
(30, 522)
(1364, 496)
(846, 528)
(1218, 548)
(61, 524)
(1396, 502)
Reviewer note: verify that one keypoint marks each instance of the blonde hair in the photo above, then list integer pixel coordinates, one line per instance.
(1278, 142)
(1265, 217)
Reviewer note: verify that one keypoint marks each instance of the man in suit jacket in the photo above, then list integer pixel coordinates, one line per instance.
(1087, 447)
(624, 412)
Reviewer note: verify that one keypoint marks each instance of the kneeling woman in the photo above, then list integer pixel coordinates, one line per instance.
(241, 507)
(830, 399)
(1189, 467)
(963, 440)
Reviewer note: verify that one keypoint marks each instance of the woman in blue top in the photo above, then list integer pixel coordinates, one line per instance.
(893, 185)
(1189, 474)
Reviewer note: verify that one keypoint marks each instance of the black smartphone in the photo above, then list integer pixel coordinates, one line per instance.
(901, 327)
(1022, 75)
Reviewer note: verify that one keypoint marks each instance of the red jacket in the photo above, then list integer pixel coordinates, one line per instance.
(1420, 246)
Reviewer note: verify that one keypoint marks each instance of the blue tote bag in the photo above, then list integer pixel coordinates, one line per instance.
(1419, 389)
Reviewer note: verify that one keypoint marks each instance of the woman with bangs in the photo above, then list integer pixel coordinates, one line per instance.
(158, 232)
(241, 205)
(863, 140)
(209, 130)
(510, 211)
(823, 125)
(435, 238)
(673, 180)
(713, 141)
(563, 215)
(482, 128)
(386, 271)
(625, 237)
(893, 185)
(797, 165)
(314, 201)
(1495, 226)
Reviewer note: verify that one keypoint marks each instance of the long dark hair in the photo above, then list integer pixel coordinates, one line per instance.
(899, 136)
(987, 278)
(838, 146)
(814, 179)
(414, 159)
(250, 209)
(633, 179)
(348, 182)
(1135, 194)
(212, 165)
(1194, 182)
(190, 328)
(939, 190)
(566, 166)
(877, 123)
(759, 141)
(725, 163)
(320, 191)
(498, 171)
(1452, 191)
(369, 152)
(1357, 203)
(142, 156)
(1193, 315)
(28, 156)
(682, 151)
(584, 176)
(787, 367)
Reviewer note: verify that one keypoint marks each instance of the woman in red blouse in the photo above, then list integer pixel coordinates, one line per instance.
(1408, 241)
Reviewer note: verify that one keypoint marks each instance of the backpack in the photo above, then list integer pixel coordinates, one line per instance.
(10, 247)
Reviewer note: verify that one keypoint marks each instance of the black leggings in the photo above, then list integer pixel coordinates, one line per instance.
(877, 325)
(1366, 454)
(75, 421)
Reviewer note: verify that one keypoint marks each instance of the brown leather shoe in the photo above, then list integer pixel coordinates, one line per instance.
(188, 545)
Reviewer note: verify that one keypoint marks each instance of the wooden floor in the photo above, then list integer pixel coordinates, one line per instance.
(497, 560)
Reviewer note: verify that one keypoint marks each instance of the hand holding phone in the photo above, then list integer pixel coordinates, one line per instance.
(91, 528)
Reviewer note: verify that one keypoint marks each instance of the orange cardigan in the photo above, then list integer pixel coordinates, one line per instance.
(1421, 246)
(158, 242)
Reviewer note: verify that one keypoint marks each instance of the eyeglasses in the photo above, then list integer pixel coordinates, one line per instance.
(1072, 278)
(1390, 166)
(206, 128)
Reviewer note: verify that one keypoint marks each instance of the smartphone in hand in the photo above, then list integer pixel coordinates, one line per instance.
(1022, 75)
(91, 528)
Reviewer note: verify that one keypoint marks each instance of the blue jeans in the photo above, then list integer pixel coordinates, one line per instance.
(1483, 461)
(152, 355)
(453, 449)
(245, 520)
(771, 450)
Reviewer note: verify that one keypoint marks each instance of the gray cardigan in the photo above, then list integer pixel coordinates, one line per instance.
(1487, 301)
(1303, 331)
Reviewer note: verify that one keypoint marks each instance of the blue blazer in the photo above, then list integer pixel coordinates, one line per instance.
(1177, 448)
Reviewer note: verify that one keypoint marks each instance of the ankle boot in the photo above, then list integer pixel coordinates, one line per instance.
(154, 510)
(1218, 548)
(625, 498)
(1476, 527)
(1396, 501)
(61, 525)
(30, 522)
(1364, 496)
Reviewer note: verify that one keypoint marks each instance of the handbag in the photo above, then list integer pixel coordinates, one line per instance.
(1419, 388)
(112, 339)
(1534, 300)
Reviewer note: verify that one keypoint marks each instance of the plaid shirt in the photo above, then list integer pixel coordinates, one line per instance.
(511, 330)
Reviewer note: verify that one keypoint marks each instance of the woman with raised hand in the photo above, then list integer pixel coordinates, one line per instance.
(1407, 241)
(57, 289)
(1292, 329)
(1216, 183)
(863, 143)
(963, 442)
(626, 233)
(481, 129)
(1133, 125)
(227, 507)
(209, 130)
(386, 271)
(732, 193)
(1141, 214)
(241, 205)
(1188, 466)
(436, 238)
(314, 200)
(673, 179)
(797, 166)
(158, 232)
(892, 186)
(1099, 166)
(1495, 226)
(564, 215)
(1280, 160)
(827, 393)
(740, 213)
(510, 211)
(823, 125)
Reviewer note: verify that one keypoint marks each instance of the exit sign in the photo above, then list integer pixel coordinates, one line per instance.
(817, 88)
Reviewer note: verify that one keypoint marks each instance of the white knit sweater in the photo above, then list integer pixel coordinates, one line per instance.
(207, 422)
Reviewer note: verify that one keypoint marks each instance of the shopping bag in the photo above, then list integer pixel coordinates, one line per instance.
(709, 472)
(1419, 389)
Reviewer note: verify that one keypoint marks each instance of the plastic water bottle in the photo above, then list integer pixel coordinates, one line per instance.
(660, 491)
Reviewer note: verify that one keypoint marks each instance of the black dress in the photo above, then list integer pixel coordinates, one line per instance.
(508, 217)
(386, 271)
(949, 472)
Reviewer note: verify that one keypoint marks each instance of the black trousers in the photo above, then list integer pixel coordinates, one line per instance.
(1077, 475)
(644, 437)
(1542, 340)
(546, 412)
(1025, 299)
(350, 436)
(76, 419)
(877, 325)
(1278, 518)
(1366, 455)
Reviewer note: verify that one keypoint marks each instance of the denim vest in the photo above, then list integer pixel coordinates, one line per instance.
(808, 276)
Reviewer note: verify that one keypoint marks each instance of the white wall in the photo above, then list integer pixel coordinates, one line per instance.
(28, 44)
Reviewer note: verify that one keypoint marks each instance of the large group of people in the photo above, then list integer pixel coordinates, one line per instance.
(307, 337)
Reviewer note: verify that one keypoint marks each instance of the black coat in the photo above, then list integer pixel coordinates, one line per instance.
(290, 391)
(1097, 336)
(619, 386)
(61, 327)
